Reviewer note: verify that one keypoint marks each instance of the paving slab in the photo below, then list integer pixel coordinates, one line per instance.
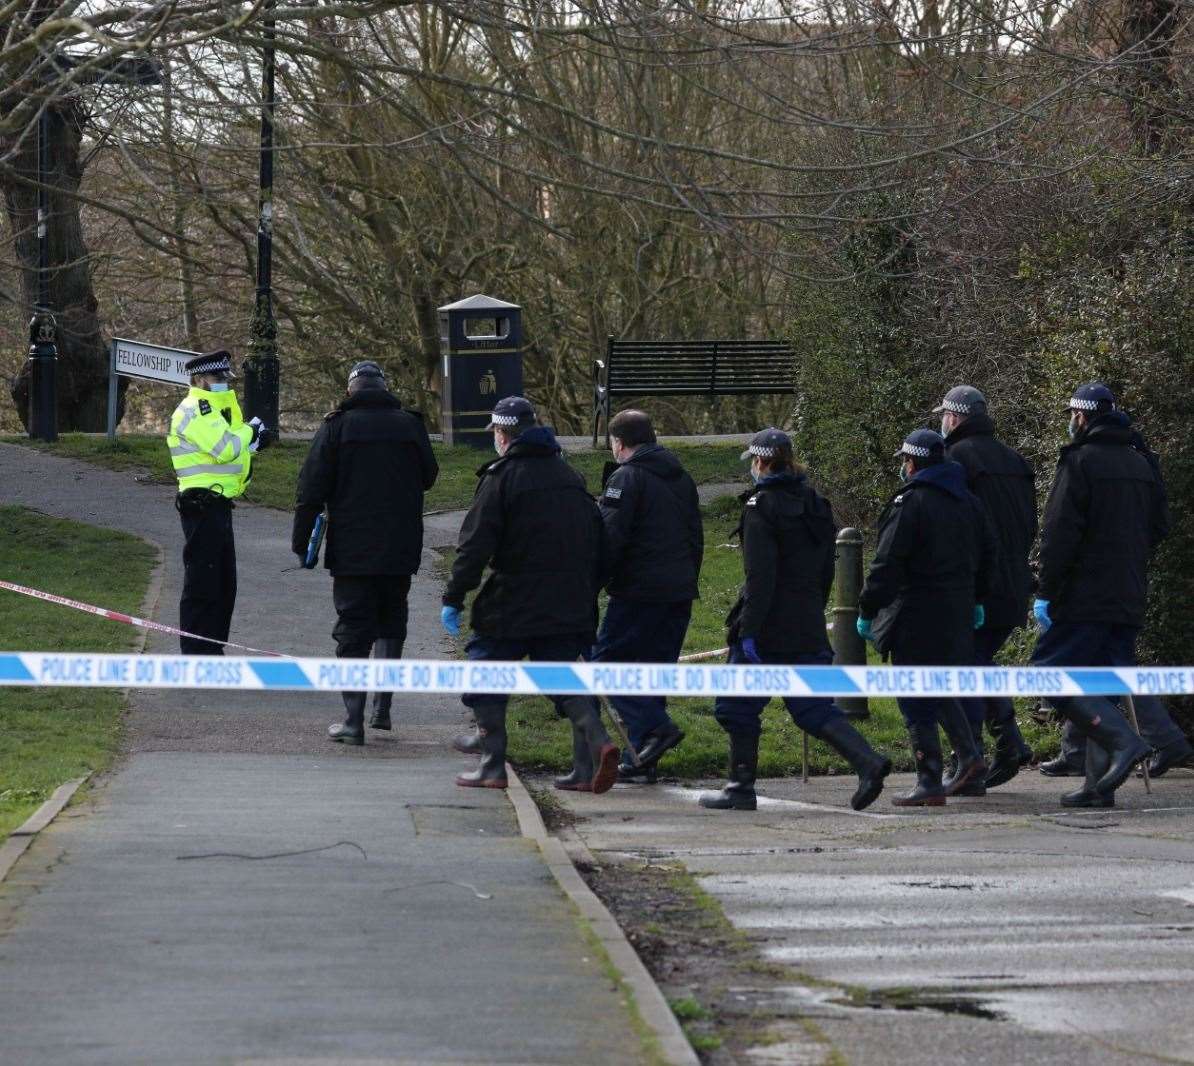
(1006, 927)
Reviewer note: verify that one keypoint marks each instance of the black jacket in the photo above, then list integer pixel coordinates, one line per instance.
(1106, 514)
(535, 524)
(369, 464)
(653, 534)
(788, 544)
(1002, 478)
(936, 558)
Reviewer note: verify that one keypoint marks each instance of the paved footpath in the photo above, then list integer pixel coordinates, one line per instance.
(159, 921)
(995, 931)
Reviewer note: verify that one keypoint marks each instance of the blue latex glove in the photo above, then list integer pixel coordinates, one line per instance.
(863, 625)
(1040, 611)
(980, 616)
(750, 650)
(450, 619)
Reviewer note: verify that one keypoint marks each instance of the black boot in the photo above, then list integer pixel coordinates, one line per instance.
(1060, 767)
(1011, 753)
(585, 715)
(972, 770)
(1106, 726)
(352, 729)
(386, 648)
(658, 742)
(629, 774)
(869, 765)
(926, 751)
(1097, 762)
(581, 777)
(739, 794)
(1168, 757)
(491, 728)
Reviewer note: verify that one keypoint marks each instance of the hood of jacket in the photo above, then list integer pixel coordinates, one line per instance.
(979, 425)
(948, 476)
(657, 459)
(1114, 427)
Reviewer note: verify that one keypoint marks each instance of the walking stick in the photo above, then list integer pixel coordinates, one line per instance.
(1131, 705)
(620, 729)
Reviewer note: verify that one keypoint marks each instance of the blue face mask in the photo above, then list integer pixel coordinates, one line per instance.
(219, 386)
(1072, 428)
(903, 473)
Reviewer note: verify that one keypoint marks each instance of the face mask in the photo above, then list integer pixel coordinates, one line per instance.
(1072, 429)
(903, 473)
(944, 428)
(219, 386)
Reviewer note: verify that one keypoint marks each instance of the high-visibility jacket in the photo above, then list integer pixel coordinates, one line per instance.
(209, 443)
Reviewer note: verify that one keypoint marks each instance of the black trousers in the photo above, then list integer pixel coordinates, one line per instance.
(368, 608)
(209, 579)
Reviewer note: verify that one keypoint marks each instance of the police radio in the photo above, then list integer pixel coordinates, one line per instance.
(311, 559)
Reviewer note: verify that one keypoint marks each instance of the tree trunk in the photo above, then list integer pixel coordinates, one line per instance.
(82, 373)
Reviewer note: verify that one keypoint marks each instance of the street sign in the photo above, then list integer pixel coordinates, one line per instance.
(150, 362)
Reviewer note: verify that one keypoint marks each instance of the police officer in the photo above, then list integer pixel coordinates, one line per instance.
(535, 525)
(1003, 479)
(922, 601)
(369, 464)
(788, 539)
(654, 545)
(1106, 514)
(211, 448)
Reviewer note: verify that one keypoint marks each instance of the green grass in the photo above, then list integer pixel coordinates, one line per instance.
(48, 736)
(539, 740)
(275, 472)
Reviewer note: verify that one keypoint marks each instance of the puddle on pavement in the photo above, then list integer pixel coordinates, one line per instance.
(897, 999)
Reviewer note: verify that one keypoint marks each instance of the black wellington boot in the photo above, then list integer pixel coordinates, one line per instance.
(972, 770)
(926, 750)
(352, 729)
(585, 715)
(580, 779)
(1097, 762)
(868, 764)
(739, 794)
(1108, 727)
(491, 728)
(1012, 754)
(386, 648)
(1168, 757)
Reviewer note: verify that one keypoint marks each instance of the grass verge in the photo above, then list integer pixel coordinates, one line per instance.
(48, 736)
(275, 472)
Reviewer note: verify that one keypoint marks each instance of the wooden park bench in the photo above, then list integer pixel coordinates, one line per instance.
(689, 368)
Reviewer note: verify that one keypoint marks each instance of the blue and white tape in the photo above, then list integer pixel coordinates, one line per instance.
(422, 676)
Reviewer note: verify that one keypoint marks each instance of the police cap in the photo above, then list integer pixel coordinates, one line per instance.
(962, 400)
(769, 444)
(1093, 397)
(926, 446)
(217, 362)
(367, 369)
(511, 413)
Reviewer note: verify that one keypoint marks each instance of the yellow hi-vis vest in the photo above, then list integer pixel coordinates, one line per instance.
(209, 443)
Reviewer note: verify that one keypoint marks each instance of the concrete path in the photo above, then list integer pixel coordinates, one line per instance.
(1002, 927)
(432, 934)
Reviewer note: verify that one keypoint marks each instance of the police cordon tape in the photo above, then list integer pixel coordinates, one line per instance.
(429, 676)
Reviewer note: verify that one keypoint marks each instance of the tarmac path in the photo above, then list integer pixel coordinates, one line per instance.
(240, 890)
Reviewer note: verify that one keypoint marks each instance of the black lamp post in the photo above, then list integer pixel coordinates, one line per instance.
(43, 348)
(261, 368)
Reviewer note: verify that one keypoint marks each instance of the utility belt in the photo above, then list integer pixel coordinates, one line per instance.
(196, 501)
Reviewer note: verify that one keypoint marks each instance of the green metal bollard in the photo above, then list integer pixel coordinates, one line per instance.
(849, 649)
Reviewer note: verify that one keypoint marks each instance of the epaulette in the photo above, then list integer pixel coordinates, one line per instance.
(204, 407)
(753, 501)
(898, 499)
(332, 414)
